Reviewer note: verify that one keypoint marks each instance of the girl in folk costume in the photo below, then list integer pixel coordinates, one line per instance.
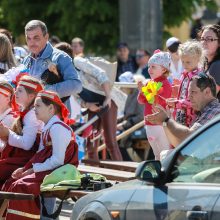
(7, 116)
(21, 139)
(157, 90)
(57, 147)
(192, 55)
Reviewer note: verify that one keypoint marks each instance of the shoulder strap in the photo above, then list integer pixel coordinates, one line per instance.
(63, 124)
(57, 212)
(46, 137)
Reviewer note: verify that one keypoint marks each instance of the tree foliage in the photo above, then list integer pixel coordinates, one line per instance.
(177, 11)
(96, 21)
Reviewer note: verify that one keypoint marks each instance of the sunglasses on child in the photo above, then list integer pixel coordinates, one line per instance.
(208, 40)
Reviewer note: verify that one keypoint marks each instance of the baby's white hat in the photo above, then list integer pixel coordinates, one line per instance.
(160, 58)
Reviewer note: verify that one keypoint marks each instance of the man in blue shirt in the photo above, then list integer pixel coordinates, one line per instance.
(43, 54)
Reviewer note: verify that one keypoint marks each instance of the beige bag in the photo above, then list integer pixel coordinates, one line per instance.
(108, 67)
(117, 95)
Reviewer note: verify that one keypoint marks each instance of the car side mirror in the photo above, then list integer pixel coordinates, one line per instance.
(149, 171)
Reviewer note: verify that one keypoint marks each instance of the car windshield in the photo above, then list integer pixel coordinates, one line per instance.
(199, 161)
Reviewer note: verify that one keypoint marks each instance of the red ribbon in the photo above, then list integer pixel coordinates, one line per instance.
(55, 98)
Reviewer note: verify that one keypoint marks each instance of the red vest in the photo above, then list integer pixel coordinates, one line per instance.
(71, 155)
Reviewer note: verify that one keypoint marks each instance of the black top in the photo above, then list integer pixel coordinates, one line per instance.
(214, 71)
(89, 96)
(130, 66)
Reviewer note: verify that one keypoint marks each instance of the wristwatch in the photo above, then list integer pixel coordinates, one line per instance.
(165, 122)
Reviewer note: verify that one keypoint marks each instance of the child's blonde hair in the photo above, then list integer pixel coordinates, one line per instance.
(192, 48)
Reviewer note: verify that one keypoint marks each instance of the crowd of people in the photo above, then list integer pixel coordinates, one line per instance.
(177, 92)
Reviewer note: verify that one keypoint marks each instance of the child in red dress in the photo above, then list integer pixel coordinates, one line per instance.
(158, 69)
(21, 138)
(57, 147)
(7, 115)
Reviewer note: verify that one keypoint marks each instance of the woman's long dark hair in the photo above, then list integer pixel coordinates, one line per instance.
(216, 29)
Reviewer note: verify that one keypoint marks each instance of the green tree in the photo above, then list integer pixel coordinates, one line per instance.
(177, 11)
(96, 21)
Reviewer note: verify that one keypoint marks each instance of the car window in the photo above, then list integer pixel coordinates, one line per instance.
(199, 161)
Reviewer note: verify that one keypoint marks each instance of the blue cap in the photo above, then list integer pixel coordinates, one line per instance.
(121, 45)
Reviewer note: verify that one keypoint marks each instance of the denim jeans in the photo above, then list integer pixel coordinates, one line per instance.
(50, 204)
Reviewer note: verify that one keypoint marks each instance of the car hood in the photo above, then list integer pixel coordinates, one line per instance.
(116, 197)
